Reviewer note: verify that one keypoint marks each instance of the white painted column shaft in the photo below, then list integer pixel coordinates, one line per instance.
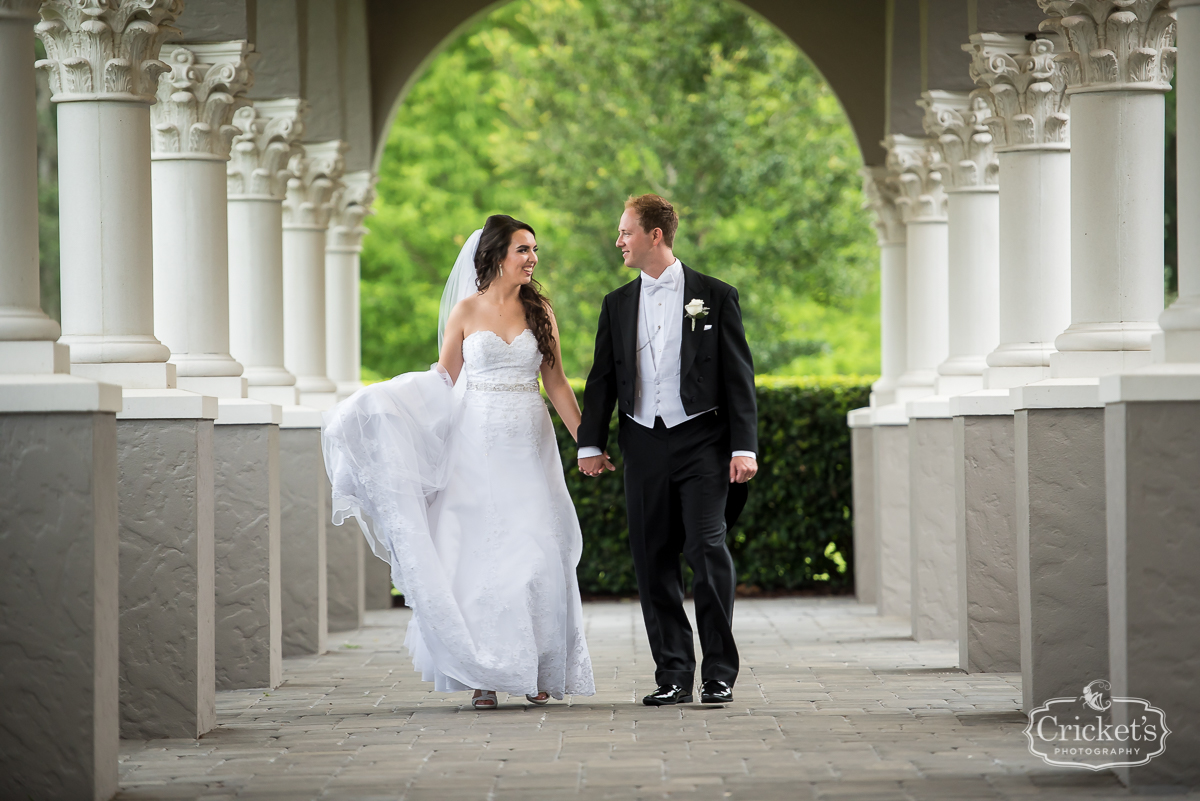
(973, 288)
(1035, 259)
(893, 312)
(343, 335)
(1117, 157)
(21, 317)
(927, 302)
(191, 268)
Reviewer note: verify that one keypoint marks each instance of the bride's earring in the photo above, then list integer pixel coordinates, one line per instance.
(501, 270)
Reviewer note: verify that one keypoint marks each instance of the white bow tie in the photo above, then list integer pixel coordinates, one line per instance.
(664, 283)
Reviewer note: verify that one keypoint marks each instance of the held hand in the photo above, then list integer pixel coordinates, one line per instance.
(595, 465)
(742, 469)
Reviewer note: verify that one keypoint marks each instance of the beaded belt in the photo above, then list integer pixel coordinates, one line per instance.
(490, 386)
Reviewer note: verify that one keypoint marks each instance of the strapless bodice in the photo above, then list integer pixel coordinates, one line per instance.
(488, 359)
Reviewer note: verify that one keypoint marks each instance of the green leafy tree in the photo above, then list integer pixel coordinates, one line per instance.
(555, 111)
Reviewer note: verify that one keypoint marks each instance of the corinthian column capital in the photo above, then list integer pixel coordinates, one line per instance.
(955, 120)
(915, 176)
(197, 96)
(269, 136)
(1025, 86)
(19, 9)
(351, 205)
(881, 199)
(1115, 45)
(316, 175)
(105, 49)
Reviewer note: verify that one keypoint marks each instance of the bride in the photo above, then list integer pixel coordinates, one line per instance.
(455, 478)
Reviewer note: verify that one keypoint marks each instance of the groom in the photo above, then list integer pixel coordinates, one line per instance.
(671, 354)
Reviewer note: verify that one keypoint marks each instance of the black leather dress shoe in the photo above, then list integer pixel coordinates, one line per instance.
(715, 691)
(668, 694)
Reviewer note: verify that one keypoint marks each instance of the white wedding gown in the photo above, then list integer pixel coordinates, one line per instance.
(462, 492)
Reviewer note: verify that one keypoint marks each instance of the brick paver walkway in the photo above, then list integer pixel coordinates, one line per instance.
(833, 703)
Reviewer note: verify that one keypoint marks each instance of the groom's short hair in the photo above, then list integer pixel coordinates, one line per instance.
(655, 212)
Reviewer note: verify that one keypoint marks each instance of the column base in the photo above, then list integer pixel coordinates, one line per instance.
(58, 498)
(166, 507)
(283, 396)
(1153, 472)
(985, 530)
(321, 401)
(131, 375)
(248, 628)
(223, 386)
(951, 385)
(1009, 377)
(303, 579)
(934, 582)
(1089, 363)
(893, 587)
(1061, 538)
(863, 485)
(347, 388)
(34, 357)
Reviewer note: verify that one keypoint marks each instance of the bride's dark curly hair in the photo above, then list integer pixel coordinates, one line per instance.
(493, 247)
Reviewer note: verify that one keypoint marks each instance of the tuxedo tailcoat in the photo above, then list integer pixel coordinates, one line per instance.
(677, 479)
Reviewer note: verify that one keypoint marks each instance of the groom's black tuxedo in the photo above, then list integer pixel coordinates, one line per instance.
(716, 369)
(677, 479)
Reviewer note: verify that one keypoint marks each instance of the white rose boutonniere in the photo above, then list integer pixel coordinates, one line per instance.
(695, 310)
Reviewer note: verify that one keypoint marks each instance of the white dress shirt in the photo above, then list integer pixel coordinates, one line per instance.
(660, 337)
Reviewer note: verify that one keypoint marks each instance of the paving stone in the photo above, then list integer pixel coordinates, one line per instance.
(834, 702)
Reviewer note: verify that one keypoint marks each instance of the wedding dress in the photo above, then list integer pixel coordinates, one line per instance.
(461, 489)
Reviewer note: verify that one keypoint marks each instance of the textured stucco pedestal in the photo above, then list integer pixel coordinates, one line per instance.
(249, 624)
(344, 545)
(1062, 548)
(303, 500)
(933, 561)
(862, 460)
(166, 505)
(1153, 472)
(377, 581)
(58, 600)
(985, 529)
(890, 451)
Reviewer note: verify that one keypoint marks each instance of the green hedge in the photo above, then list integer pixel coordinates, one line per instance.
(796, 530)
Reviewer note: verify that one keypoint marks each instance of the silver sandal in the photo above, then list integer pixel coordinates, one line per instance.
(485, 700)
(533, 699)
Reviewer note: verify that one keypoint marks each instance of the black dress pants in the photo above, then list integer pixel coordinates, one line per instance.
(676, 481)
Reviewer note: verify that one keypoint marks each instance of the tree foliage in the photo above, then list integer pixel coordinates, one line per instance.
(555, 111)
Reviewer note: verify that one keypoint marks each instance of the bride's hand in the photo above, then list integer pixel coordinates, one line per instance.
(595, 465)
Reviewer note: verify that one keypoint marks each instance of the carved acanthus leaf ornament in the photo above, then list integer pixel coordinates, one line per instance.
(197, 97)
(1025, 86)
(881, 199)
(956, 122)
(316, 175)
(915, 170)
(1115, 44)
(105, 49)
(351, 205)
(268, 137)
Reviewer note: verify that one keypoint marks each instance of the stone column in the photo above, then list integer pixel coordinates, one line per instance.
(914, 165)
(103, 68)
(893, 317)
(343, 331)
(192, 137)
(967, 165)
(257, 179)
(1025, 89)
(315, 178)
(58, 495)
(1153, 472)
(1118, 68)
(1024, 84)
(890, 231)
